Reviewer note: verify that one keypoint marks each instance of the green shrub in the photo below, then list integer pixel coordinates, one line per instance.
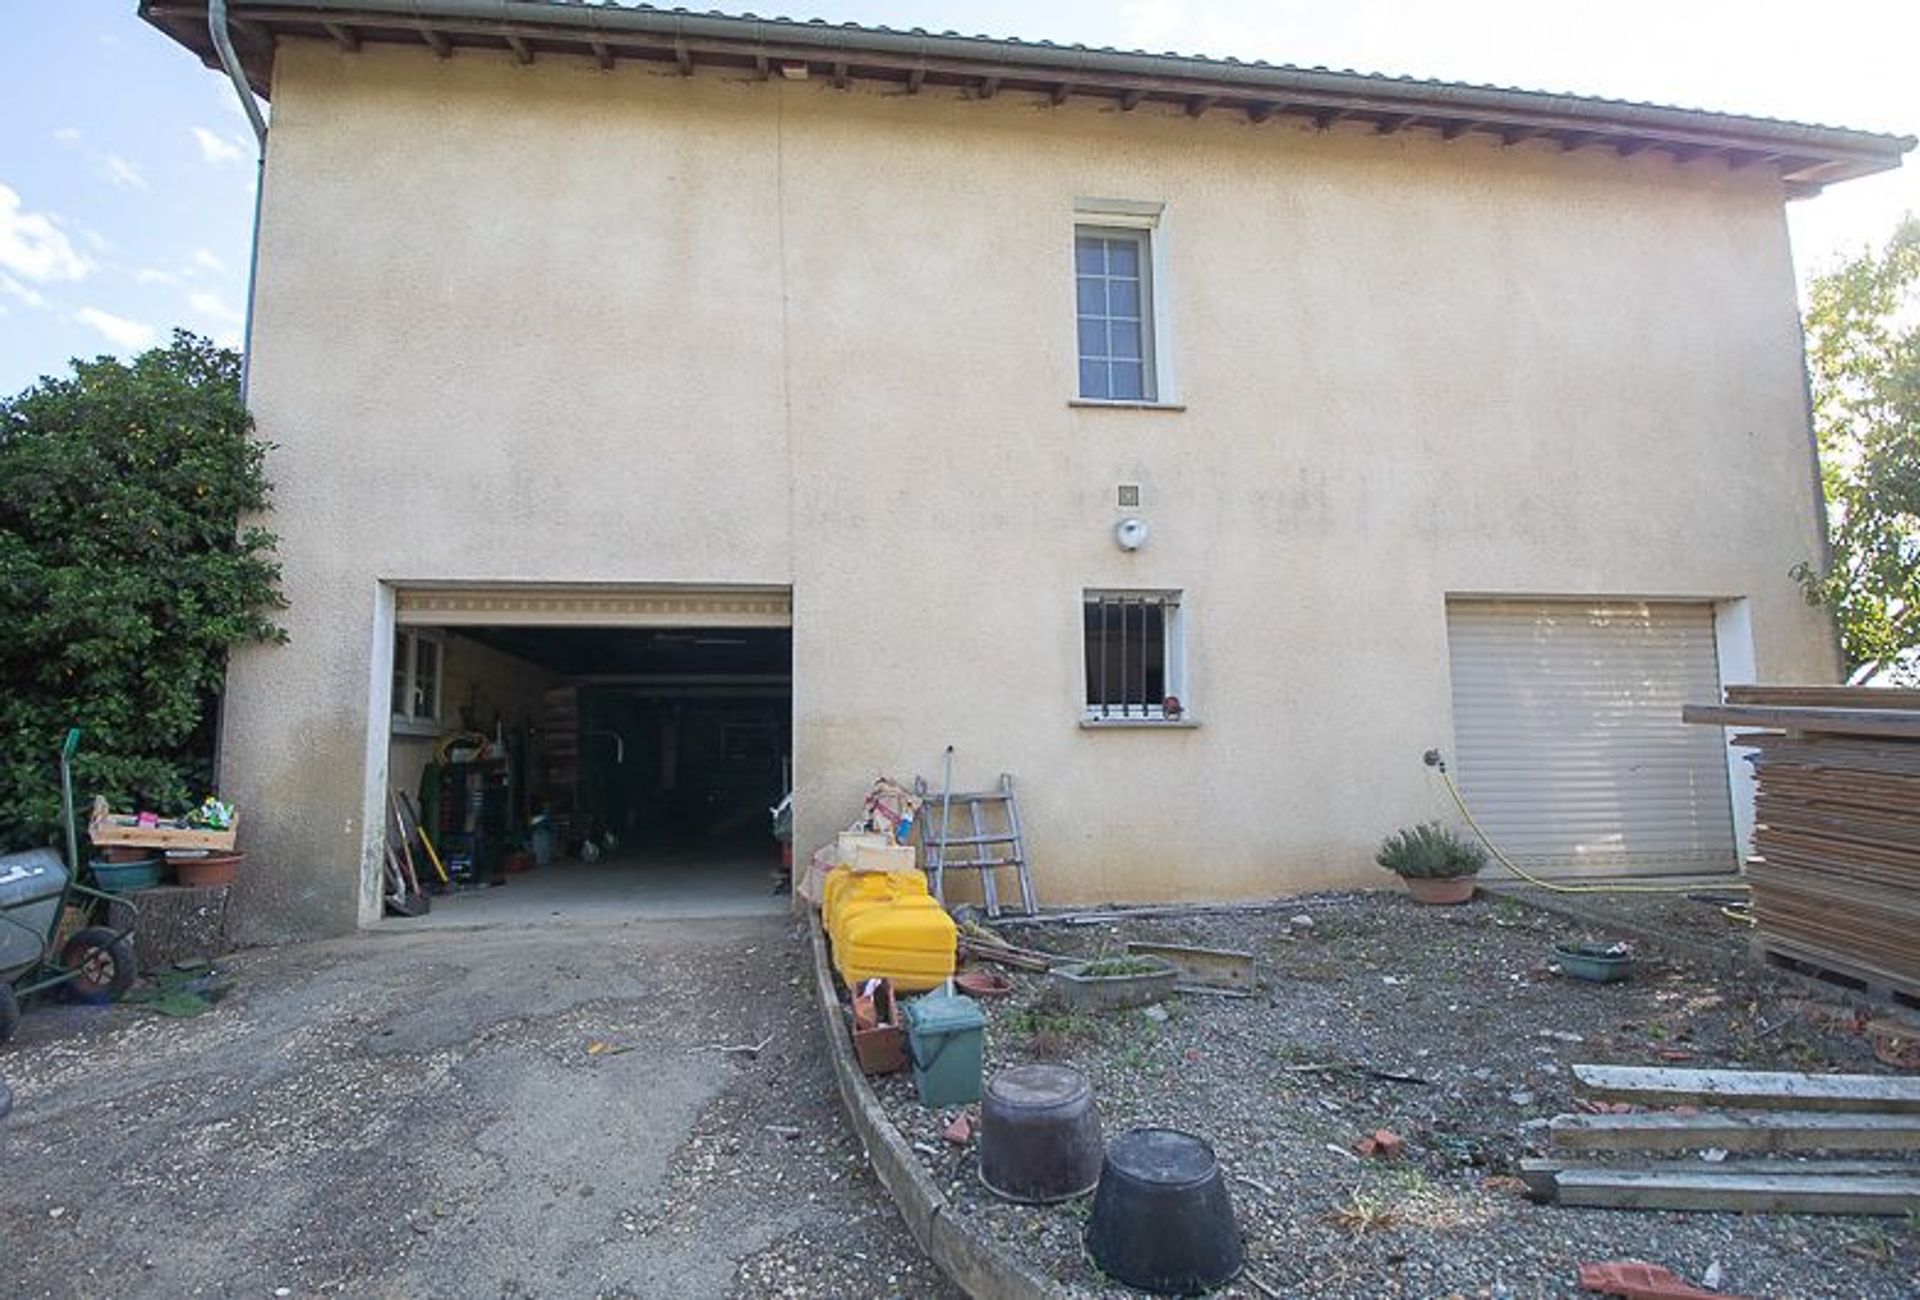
(1429, 851)
(125, 575)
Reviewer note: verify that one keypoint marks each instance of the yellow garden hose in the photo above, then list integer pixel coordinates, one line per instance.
(1434, 760)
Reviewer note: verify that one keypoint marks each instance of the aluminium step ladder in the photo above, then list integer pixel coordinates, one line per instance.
(994, 843)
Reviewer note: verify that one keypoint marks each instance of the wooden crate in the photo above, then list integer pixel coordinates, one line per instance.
(106, 828)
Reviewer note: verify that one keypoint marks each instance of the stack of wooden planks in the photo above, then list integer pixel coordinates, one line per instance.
(1836, 878)
(1729, 1157)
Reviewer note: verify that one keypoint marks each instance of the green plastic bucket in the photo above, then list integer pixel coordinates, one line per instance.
(945, 1037)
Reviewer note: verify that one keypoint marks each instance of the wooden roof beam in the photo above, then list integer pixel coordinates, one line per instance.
(683, 58)
(1326, 117)
(1060, 93)
(762, 67)
(522, 52)
(1260, 112)
(1571, 140)
(915, 79)
(1455, 129)
(1130, 99)
(1515, 134)
(988, 87)
(437, 41)
(603, 54)
(1628, 148)
(343, 36)
(1395, 122)
(1199, 104)
(840, 77)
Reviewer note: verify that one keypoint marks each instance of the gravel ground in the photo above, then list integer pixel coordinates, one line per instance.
(1461, 998)
(528, 1112)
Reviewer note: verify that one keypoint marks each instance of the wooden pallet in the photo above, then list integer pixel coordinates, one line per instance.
(1874, 1119)
(1801, 959)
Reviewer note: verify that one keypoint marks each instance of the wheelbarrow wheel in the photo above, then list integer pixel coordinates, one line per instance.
(104, 958)
(9, 1012)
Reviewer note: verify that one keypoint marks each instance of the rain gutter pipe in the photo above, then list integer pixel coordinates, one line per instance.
(217, 27)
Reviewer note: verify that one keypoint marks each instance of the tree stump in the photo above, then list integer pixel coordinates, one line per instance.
(176, 924)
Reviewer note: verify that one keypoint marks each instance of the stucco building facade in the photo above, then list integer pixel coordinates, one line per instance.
(743, 326)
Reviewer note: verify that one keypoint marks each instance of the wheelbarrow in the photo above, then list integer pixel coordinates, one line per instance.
(95, 964)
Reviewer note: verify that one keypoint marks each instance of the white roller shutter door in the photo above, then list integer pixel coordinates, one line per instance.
(1568, 742)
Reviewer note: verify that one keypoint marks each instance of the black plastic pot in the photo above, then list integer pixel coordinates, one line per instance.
(1039, 1134)
(1162, 1220)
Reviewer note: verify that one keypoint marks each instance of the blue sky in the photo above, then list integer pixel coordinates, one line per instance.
(126, 169)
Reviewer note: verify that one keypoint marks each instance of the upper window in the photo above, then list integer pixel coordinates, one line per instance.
(1113, 275)
(416, 677)
(1136, 660)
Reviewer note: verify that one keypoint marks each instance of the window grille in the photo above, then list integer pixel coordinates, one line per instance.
(1132, 650)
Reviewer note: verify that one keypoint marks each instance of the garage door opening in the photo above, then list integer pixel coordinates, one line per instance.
(594, 773)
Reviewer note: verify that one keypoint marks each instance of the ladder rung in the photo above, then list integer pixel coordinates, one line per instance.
(957, 797)
(956, 841)
(963, 864)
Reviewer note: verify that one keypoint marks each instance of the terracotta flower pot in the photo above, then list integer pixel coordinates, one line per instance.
(1440, 893)
(214, 871)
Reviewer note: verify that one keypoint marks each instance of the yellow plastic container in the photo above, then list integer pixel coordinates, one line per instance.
(903, 935)
(848, 891)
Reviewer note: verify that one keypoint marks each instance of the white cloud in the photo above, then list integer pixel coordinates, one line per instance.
(32, 245)
(207, 260)
(132, 335)
(25, 293)
(217, 148)
(154, 275)
(67, 135)
(213, 306)
(122, 172)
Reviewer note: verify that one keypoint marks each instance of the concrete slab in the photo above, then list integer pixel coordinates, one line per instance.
(680, 887)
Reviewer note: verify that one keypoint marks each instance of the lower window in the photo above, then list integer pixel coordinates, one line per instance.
(1135, 656)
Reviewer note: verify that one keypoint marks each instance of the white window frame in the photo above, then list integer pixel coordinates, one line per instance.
(1174, 624)
(413, 720)
(1146, 222)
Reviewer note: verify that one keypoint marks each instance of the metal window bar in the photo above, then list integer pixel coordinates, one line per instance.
(1127, 654)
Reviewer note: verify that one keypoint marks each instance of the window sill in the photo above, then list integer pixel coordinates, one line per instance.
(1126, 406)
(1138, 724)
(425, 728)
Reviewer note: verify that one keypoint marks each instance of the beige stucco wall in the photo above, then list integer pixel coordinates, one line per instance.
(555, 324)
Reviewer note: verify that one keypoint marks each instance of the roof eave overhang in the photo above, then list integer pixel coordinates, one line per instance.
(1806, 157)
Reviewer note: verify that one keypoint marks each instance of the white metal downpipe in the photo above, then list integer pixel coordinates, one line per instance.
(217, 27)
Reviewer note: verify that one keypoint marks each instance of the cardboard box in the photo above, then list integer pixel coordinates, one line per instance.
(886, 857)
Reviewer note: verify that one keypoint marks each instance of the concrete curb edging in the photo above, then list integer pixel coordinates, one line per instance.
(970, 1260)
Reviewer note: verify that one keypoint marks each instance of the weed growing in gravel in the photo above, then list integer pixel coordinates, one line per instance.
(1137, 1053)
(1052, 1032)
(1363, 1212)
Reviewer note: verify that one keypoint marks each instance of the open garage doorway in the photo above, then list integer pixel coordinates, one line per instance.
(615, 766)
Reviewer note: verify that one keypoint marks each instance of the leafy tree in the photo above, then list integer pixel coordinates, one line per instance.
(125, 575)
(1863, 348)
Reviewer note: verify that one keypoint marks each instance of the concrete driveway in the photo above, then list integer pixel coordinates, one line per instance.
(507, 1112)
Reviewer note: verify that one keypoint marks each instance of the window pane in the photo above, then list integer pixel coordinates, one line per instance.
(426, 678)
(1093, 296)
(1123, 257)
(1123, 297)
(1093, 338)
(1127, 384)
(1089, 255)
(401, 654)
(1093, 379)
(1126, 338)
